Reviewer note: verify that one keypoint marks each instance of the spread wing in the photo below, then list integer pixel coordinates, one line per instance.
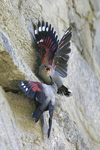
(49, 49)
(61, 56)
(46, 41)
(33, 90)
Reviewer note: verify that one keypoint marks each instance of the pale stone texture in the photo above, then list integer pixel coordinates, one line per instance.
(76, 121)
(83, 17)
(96, 55)
(96, 6)
(82, 8)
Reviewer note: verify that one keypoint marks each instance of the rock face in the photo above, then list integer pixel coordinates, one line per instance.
(76, 121)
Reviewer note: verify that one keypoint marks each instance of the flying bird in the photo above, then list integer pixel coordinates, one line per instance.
(52, 54)
(44, 97)
(53, 57)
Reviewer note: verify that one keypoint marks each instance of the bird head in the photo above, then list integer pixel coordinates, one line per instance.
(48, 69)
(45, 73)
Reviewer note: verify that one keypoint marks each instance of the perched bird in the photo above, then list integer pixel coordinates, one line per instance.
(44, 96)
(53, 55)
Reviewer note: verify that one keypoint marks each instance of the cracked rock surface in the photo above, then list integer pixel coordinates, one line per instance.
(76, 121)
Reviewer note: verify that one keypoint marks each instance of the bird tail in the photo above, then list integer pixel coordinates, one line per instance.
(37, 114)
(64, 90)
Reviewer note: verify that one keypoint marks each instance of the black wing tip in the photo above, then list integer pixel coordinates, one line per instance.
(67, 33)
(46, 34)
(46, 24)
(19, 83)
(42, 23)
(23, 86)
(39, 24)
(50, 27)
(34, 26)
(70, 28)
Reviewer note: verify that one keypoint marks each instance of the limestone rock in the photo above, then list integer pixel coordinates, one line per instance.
(96, 7)
(83, 17)
(76, 121)
(96, 55)
(82, 8)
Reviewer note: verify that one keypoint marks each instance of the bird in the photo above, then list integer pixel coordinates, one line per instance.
(52, 55)
(44, 97)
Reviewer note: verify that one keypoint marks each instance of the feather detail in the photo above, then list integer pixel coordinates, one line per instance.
(33, 90)
(61, 55)
(46, 40)
(50, 49)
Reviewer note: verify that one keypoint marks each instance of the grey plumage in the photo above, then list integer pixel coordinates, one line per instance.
(44, 97)
(53, 56)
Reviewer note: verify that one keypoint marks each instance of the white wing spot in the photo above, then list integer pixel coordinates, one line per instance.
(26, 89)
(22, 83)
(35, 31)
(24, 86)
(39, 29)
(66, 32)
(41, 40)
(47, 29)
(43, 28)
(36, 98)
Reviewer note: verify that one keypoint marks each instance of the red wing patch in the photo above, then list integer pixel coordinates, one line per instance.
(35, 86)
(33, 90)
